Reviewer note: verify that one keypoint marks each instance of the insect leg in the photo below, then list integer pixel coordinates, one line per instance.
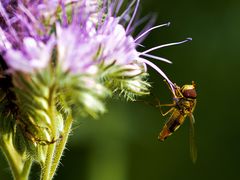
(146, 102)
(166, 113)
(159, 106)
(177, 93)
(166, 105)
(169, 88)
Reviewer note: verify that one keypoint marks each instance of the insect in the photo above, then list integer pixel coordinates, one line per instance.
(184, 102)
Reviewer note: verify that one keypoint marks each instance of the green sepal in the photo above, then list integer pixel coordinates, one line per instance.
(19, 140)
(6, 123)
(85, 94)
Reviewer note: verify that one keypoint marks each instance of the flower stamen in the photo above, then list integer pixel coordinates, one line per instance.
(133, 16)
(165, 45)
(157, 58)
(149, 30)
(152, 65)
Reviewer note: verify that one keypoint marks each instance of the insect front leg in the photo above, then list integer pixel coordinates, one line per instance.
(159, 106)
(169, 87)
(166, 113)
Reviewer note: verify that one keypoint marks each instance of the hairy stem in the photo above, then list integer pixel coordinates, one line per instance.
(48, 163)
(51, 147)
(61, 145)
(26, 168)
(20, 167)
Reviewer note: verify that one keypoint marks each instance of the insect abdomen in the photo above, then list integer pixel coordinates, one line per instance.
(174, 122)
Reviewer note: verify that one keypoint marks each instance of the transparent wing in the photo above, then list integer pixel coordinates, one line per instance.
(193, 147)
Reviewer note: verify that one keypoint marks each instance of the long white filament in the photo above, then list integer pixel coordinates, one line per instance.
(160, 72)
(157, 58)
(128, 9)
(6, 19)
(165, 45)
(149, 30)
(133, 16)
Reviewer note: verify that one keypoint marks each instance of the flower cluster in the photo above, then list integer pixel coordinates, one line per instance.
(59, 58)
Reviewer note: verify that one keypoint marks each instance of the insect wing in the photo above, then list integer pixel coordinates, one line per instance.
(193, 147)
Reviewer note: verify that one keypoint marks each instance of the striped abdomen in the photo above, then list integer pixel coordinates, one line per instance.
(173, 123)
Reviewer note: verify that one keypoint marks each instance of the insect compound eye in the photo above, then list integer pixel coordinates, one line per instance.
(189, 91)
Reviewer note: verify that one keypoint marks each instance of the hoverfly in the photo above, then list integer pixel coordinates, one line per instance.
(184, 102)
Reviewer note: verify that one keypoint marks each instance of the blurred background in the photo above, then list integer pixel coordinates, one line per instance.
(123, 145)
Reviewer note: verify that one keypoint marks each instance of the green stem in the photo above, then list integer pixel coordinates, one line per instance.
(48, 163)
(61, 145)
(19, 167)
(45, 175)
(27, 168)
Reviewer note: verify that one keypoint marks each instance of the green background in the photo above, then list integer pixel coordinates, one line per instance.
(122, 144)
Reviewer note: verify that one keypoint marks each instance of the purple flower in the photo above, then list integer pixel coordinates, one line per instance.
(77, 48)
(65, 57)
(26, 42)
(116, 44)
(22, 47)
(80, 47)
(85, 38)
(33, 55)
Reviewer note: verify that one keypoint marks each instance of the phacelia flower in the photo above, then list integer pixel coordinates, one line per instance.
(63, 58)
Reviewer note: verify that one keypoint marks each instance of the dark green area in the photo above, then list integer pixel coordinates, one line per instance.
(123, 144)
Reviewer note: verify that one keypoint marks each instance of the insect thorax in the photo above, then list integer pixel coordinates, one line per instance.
(186, 105)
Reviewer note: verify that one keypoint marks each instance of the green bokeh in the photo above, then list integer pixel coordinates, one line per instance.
(123, 144)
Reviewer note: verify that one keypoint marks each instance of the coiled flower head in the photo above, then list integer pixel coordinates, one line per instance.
(64, 57)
